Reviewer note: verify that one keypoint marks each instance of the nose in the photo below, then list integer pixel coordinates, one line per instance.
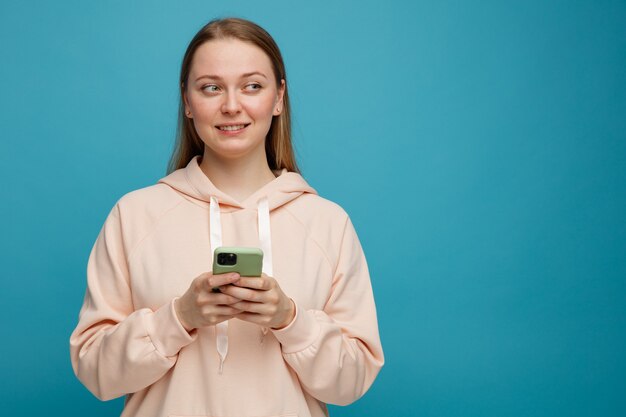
(231, 104)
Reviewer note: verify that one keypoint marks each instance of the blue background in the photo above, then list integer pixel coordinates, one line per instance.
(479, 147)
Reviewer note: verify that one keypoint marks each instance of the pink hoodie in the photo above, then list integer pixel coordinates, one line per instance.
(158, 239)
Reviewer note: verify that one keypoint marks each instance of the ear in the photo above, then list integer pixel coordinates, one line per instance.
(186, 102)
(278, 107)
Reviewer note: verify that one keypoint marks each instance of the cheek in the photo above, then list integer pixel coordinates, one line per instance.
(261, 108)
(204, 109)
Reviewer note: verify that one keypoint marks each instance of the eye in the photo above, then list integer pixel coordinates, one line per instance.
(253, 87)
(210, 88)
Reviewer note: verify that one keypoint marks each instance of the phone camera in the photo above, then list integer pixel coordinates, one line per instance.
(226, 258)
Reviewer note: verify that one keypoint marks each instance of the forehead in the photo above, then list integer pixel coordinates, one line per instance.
(229, 57)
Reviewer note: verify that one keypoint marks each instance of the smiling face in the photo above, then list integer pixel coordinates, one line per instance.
(231, 97)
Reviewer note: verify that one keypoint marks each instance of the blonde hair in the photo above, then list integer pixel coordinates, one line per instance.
(278, 147)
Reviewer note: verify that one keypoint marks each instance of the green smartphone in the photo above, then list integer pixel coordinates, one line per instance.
(248, 262)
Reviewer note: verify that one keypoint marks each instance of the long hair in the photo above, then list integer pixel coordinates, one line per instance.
(278, 147)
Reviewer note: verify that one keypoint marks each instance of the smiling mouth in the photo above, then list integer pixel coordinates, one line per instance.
(229, 128)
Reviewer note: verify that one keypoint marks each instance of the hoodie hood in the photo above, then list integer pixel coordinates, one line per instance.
(193, 183)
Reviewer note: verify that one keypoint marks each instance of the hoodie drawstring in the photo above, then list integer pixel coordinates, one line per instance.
(265, 235)
(265, 238)
(221, 329)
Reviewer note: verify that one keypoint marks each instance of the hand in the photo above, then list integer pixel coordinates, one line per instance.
(262, 301)
(200, 306)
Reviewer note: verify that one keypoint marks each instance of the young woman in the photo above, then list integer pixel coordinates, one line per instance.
(154, 328)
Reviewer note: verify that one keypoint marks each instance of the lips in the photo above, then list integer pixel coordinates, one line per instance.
(232, 127)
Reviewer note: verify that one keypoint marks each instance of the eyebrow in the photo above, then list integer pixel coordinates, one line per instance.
(246, 75)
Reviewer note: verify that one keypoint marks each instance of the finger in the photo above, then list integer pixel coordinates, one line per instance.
(224, 311)
(221, 279)
(250, 307)
(257, 283)
(245, 294)
(221, 299)
(259, 319)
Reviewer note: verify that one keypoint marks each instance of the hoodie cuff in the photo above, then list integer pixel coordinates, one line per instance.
(166, 332)
(301, 333)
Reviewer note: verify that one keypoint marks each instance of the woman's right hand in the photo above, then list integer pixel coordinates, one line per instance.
(200, 306)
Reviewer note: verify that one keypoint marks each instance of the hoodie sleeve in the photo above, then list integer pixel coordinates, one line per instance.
(115, 349)
(337, 352)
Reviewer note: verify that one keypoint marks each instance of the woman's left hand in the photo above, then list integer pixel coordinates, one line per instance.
(263, 301)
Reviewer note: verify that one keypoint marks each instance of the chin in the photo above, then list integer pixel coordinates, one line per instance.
(230, 152)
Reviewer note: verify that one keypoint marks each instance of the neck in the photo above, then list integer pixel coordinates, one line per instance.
(237, 177)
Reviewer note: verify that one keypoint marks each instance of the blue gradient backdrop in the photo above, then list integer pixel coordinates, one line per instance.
(480, 148)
